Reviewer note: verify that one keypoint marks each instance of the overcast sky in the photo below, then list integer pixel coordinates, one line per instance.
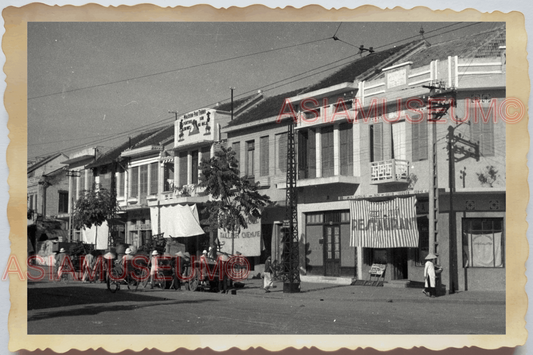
(97, 82)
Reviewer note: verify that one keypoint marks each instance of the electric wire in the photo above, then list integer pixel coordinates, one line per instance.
(175, 70)
(112, 137)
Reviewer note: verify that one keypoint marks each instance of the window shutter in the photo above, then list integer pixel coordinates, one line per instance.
(236, 147)
(282, 152)
(194, 167)
(482, 133)
(419, 139)
(346, 149)
(144, 180)
(378, 141)
(264, 156)
(327, 151)
(153, 178)
(134, 182)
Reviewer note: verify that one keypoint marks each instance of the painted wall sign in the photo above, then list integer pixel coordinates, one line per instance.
(247, 241)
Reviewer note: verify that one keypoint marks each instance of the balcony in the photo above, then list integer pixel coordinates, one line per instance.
(389, 171)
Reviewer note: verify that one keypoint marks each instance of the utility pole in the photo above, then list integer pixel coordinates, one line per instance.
(290, 257)
(440, 100)
(471, 152)
(70, 174)
(232, 88)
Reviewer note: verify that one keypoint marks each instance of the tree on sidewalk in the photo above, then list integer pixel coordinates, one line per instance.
(234, 200)
(94, 207)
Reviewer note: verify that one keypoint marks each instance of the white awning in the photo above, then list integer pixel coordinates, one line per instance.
(176, 221)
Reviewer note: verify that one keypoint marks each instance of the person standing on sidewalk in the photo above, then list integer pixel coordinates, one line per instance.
(429, 276)
(267, 280)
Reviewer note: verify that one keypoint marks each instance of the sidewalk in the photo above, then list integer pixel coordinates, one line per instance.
(322, 291)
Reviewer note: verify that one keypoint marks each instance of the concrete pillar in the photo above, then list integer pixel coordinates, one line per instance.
(189, 168)
(318, 141)
(336, 150)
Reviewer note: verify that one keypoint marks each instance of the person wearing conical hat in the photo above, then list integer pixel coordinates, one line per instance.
(429, 275)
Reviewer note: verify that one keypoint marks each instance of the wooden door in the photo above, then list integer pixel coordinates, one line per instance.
(332, 251)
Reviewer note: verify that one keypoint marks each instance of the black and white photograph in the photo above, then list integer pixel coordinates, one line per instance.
(268, 178)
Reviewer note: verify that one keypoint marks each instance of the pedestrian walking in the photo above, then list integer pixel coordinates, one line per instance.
(154, 267)
(267, 278)
(429, 276)
(87, 266)
(60, 259)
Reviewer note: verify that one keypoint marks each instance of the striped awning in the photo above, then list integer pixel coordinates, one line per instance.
(385, 224)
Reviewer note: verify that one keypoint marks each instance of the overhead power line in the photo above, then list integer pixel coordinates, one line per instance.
(163, 122)
(175, 70)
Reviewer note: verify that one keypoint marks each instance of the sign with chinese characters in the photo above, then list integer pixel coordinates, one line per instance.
(247, 241)
(195, 126)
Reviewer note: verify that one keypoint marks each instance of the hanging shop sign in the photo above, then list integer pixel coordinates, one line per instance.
(385, 224)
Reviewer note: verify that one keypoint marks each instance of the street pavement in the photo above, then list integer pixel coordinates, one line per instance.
(83, 308)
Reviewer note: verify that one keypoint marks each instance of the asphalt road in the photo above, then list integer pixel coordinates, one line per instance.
(75, 308)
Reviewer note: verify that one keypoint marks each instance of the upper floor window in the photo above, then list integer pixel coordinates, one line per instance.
(281, 153)
(419, 140)
(168, 176)
(143, 180)
(154, 172)
(346, 148)
(264, 158)
(63, 202)
(327, 151)
(194, 167)
(134, 182)
(250, 151)
(398, 141)
(482, 132)
(376, 142)
(306, 154)
(121, 183)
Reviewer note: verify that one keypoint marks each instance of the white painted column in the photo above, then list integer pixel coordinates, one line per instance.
(199, 161)
(70, 194)
(189, 167)
(318, 143)
(177, 183)
(360, 263)
(336, 150)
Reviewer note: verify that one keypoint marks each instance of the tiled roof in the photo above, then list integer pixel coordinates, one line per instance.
(114, 153)
(226, 106)
(159, 136)
(482, 44)
(42, 161)
(271, 106)
(268, 107)
(351, 71)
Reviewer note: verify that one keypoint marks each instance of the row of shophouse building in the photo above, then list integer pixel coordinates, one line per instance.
(362, 177)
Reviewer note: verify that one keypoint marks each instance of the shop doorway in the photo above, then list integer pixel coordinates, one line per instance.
(332, 252)
(399, 263)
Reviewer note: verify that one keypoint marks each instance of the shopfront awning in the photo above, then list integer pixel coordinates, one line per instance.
(176, 221)
(384, 224)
